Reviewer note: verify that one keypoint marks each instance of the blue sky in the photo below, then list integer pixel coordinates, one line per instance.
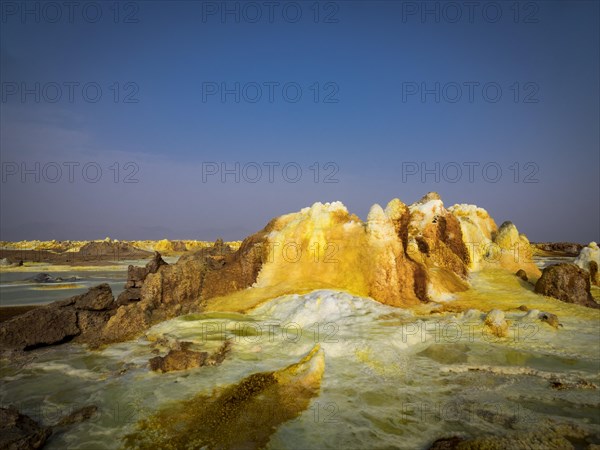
(359, 119)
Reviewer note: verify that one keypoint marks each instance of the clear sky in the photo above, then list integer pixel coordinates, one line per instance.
(127, 113)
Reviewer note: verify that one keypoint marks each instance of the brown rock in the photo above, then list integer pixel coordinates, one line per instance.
(135, 273)
(97, 298)
(559, 248)
(550, 319)
(42, 326)
(81, 317)
(178, 360)
(522, 274)
(138, 274)
(156, 261)
(128, 322)
(129, 295)
(237, 270)
(21, 432)
(91, 324)
(568, 283)
(135, 280)
(182, 358)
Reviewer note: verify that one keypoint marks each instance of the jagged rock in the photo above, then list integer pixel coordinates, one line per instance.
(440, 233)
(128, 322)
(97, 298)
(42, 326)
(138, 274)
(237, 270)
(156, 261)
(183, 287)
(496, 322)
(522, 274)
(135, 279)
(567, 283)
(91, 324)
(81, 317)
(133, 294)
(182, 358)
(21, 432)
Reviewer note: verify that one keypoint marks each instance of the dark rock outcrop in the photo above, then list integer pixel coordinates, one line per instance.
(42, 326)
(567, 283)
(21, 432)
(181, 288)
(97, 298)
(46, 278)
(559, 248)
(522, 274)
(136, 277)
(183, 358)
(81, 317)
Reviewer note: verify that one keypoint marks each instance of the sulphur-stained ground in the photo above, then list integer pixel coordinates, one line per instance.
(392, 377)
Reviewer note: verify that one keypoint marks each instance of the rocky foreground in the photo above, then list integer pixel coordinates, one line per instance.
(403, 255)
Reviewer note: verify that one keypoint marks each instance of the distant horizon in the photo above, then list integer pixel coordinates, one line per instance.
(232, 238)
